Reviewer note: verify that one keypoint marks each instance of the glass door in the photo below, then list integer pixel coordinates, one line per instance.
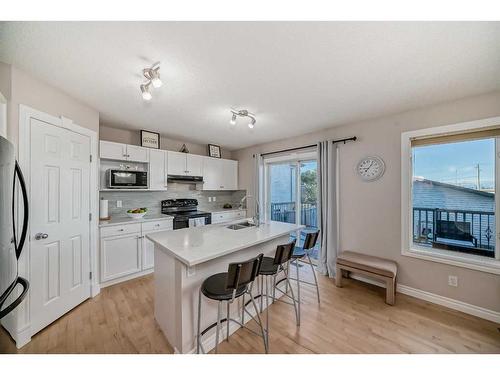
(292, 193)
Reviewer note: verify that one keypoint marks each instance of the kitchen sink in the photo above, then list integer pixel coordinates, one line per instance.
(240, 226)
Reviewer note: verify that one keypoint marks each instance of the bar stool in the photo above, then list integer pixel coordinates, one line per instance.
(227, 286)
(270, 268)
(298, 254)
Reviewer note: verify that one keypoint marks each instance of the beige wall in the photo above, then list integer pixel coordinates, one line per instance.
(30, 91)
(370, 212)
(114, 134)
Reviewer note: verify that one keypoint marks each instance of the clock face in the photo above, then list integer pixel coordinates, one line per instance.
(371, 168)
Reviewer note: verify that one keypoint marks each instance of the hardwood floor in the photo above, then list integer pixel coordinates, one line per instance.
(353, 319)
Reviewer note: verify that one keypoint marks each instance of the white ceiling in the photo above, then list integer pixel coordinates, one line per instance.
(296, 77)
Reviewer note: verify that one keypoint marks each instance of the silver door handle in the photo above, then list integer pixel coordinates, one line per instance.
(41, 236)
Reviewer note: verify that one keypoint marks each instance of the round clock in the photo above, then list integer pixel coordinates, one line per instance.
(370, 168)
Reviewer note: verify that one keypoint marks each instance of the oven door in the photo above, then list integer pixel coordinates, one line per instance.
(127, 179)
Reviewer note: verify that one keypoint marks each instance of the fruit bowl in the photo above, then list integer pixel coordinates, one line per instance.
(137, 213)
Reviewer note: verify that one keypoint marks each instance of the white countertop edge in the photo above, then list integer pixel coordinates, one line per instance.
(128, 220)
(221, 254)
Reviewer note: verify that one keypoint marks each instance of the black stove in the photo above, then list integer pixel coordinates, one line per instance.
(183, 210)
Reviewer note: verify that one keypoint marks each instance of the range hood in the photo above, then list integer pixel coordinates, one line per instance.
(184, 179)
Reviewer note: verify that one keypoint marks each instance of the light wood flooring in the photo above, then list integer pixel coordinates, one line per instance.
(352, 319)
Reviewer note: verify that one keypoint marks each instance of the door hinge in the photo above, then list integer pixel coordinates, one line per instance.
(90, 275)
(91, 158)
(90, 217)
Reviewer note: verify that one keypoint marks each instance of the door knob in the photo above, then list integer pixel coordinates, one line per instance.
(41, 236)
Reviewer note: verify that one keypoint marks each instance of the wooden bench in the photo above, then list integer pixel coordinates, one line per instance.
(379, 268)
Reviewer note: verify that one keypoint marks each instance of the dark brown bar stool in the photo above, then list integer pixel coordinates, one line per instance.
(227, 286)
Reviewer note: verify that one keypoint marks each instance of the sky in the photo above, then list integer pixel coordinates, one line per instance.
(456, 163)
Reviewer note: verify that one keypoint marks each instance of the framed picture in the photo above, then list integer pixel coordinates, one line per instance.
(214, 151)
(150, 139)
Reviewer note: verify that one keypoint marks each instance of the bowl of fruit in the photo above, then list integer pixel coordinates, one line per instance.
(137, 213)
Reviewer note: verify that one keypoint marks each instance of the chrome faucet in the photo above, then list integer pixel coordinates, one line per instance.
(256, 216)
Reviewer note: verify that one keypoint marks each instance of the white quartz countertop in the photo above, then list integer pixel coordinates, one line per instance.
(193, 246)
(121, 220)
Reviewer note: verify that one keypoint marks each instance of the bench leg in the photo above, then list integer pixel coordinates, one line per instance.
(390, 291)
(338, 276)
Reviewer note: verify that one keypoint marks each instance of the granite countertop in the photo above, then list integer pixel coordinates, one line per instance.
(120, 220)
(197, 245)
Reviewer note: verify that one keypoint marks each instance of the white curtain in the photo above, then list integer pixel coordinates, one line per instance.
(327, 207)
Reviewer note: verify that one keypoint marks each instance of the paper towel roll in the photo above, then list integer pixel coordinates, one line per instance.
(103, 209)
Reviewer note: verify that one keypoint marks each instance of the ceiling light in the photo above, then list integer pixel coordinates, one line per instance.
(251, 124)
(146, 95)
(152, 76)
(155, 78)
(243, 113)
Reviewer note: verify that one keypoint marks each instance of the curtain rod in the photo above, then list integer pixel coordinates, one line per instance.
(344, 140)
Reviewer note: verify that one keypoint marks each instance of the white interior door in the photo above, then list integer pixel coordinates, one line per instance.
(59, 225)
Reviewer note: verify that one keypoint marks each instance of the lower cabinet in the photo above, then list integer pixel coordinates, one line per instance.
(120, 256)
(225, 216)
(148, 253)
(125, 252)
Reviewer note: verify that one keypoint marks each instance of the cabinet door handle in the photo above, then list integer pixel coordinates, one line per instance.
(121, 230)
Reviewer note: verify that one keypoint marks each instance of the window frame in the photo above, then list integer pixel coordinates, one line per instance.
(410, 249)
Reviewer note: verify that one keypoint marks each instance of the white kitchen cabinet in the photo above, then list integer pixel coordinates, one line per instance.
(137, 153)
(182, 164)
(225, 216)
(148, 253)
(220, 174)
(120, 151)
(112, 150)
(212, 174)
(125, 252)
(230, 174)
(120, 256)
(148, 247)
(194, 165)
(176, 162)
(157, 170)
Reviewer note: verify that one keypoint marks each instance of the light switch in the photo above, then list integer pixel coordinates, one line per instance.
(118, 204)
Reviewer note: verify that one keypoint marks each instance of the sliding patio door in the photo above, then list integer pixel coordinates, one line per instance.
(291, 194)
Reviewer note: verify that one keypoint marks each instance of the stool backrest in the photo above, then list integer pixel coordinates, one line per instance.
(310, 240)
(284, 253)
(241, 274)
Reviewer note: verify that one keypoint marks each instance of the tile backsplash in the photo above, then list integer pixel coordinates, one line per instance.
(152, 199)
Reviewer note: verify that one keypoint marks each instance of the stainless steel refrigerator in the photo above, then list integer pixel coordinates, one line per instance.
(11, 239)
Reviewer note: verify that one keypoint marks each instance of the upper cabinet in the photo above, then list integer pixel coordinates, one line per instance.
(120, 151)
(157, 169)
(220, 174)
(183, 164)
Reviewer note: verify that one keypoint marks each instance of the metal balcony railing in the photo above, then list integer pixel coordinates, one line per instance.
(285, 212)
(460, 230)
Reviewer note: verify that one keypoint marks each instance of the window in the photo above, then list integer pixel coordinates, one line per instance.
(449, 197)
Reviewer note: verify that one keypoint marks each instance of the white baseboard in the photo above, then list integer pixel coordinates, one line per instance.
(124, 278)
(454, 304)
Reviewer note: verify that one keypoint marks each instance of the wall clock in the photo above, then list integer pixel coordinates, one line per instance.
(370, 168)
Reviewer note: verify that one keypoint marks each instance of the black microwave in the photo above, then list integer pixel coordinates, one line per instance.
(125, 179)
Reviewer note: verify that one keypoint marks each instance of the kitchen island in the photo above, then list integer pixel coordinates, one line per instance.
(186, 257)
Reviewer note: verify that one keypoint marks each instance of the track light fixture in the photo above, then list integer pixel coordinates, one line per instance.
(243, 113)
(152, 76)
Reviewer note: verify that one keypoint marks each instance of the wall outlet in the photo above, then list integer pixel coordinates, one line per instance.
(214, 199)
(453, 280)
(209, 199)
(119, 204)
